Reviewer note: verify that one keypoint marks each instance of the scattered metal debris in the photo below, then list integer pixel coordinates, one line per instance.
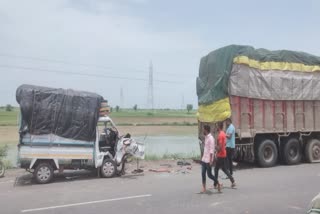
(160, 170)
(137, 171)
(183, 163)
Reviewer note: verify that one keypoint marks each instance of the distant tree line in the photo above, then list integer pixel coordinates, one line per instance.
(8, 107)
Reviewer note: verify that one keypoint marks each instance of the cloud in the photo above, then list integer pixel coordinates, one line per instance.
(89, 24)
(98, 32)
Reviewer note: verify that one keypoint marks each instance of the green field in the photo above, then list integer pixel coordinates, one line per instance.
(125, 117)
(9, 118)
(154, 113)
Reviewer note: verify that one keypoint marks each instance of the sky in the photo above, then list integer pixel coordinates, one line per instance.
(104, 46)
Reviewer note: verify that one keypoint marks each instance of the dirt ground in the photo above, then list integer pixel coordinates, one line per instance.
(8, 135)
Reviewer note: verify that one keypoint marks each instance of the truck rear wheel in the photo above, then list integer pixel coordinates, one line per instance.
(108, 168)
(267, 153)
(312, 151)
(43, 173)
(291, 152)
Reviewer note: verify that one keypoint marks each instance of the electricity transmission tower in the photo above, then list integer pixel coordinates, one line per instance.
(150, 87)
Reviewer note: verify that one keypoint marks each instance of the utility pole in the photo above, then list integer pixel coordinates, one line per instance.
(150, 100)
(182, 103)
(121, 98)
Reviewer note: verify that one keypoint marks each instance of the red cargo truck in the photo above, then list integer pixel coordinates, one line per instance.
(272, 97)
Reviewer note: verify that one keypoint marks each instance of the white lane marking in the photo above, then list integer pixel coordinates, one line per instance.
(4, 182)
(216, 204)
(85, 203)
(295, 207)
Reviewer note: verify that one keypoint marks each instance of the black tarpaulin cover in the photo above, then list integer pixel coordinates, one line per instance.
(63, 112)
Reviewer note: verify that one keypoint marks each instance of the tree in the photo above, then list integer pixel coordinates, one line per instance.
(117, 108)
(135, 107)
(189, 108)
(9, 107)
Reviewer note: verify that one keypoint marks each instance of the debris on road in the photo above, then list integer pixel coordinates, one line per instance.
(137, 171)
(183, 163)
(160, 170)
(166, 165)
(184, 170)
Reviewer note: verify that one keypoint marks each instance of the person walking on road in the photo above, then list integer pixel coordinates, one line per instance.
(207, 159)
(231, 144)
(221, 158)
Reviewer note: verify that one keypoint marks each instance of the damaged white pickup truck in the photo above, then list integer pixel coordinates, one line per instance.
(59, 130)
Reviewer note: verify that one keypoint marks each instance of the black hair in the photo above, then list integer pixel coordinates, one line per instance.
(207, 128)
(220, 125)
(229, 120)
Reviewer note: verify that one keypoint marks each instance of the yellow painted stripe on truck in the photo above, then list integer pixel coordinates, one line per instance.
(79, 156)
(214, 112)
(285, 66)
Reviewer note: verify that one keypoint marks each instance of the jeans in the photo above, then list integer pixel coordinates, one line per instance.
(221, 164)
(230, 152)
(206, 168)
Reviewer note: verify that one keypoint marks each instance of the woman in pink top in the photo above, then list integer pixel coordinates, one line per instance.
(207, 159)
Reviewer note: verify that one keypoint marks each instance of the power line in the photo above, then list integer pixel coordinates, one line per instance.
(81, 74)
(71, 63)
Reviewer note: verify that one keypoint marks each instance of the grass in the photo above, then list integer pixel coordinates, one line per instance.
(154, 113)
(8, 118)
(185, 123)
(3, 154)
(3, 150)
(175, 117)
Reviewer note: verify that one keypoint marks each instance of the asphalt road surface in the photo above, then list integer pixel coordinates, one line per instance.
(281, 189)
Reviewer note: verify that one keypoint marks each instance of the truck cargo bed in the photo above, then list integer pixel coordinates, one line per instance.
(254, 116)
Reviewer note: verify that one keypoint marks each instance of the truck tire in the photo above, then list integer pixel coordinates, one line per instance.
(2, 169)
(43, 173)
(291, 152)
(267, 153)
(312, 151)
(108, 168)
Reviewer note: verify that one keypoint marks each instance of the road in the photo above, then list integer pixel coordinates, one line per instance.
(281, 189)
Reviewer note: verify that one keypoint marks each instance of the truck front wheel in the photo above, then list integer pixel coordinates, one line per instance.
(43, 173)
(108, 168)
(267, 153)
(312, 151)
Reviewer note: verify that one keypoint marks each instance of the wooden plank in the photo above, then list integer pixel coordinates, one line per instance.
(244, 123)
(299, 115)
(279, 116)
(258, 114)
(309, 115)
(290, 116)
